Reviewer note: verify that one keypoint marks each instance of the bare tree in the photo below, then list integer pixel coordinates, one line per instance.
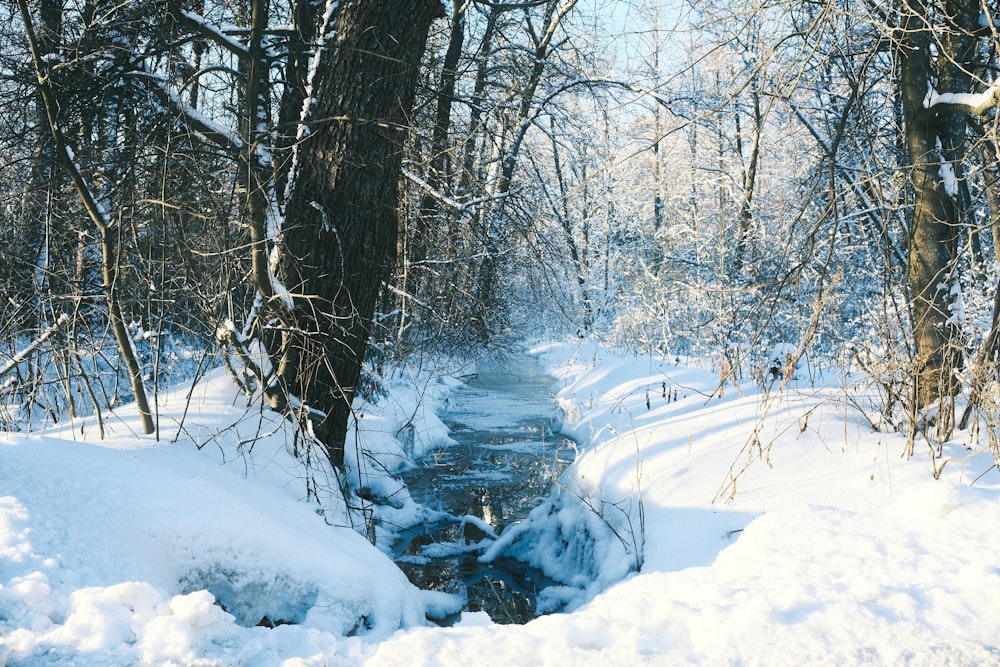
(99, 216)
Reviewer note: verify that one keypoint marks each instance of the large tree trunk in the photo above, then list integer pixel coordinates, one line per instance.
(339, 236)
(935, 140)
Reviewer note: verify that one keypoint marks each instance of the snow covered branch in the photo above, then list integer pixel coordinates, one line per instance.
(204, 29)
(221, 136)
(35, 344)
(974, 103)
(450, 202)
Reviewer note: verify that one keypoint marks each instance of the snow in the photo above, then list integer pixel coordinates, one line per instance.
(822, 546)
(946, 172)
(119, 549)
(839, 552)
(975, 103)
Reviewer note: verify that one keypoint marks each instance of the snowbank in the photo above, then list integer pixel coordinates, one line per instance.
(832, 550)
(134, 549)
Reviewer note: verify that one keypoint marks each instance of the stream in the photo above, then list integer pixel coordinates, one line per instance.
(504, 461)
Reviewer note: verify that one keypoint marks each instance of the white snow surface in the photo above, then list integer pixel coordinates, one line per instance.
(834, 549)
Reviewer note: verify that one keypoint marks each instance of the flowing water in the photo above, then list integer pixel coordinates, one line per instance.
(503, 462)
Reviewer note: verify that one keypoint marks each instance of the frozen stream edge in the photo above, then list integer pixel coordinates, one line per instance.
(503, 459)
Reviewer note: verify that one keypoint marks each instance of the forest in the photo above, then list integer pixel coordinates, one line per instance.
(687, 178)
(316, 197)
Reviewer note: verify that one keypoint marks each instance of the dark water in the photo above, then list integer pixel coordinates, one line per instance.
(504, 463)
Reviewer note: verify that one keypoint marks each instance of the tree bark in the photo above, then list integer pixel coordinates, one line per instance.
(746, 216)
(932, 135)
(340, 231)
(304, 18)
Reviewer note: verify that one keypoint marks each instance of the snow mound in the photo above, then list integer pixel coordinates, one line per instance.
(137, 550)
(695, 528)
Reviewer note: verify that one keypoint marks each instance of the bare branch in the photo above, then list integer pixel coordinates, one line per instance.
(35, 344)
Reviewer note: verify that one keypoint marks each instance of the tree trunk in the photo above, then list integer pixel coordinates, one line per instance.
(304, 18)
(340, 230)
(562, 211)
(933, 238)
(746, 215)
(438, 173)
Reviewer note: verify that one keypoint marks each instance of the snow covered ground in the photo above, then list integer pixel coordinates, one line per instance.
(833, 551)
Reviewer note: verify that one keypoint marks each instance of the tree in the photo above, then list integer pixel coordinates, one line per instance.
(338, 239)
(220, 81)
(941, 54)
(99, 215)
(439, 167)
